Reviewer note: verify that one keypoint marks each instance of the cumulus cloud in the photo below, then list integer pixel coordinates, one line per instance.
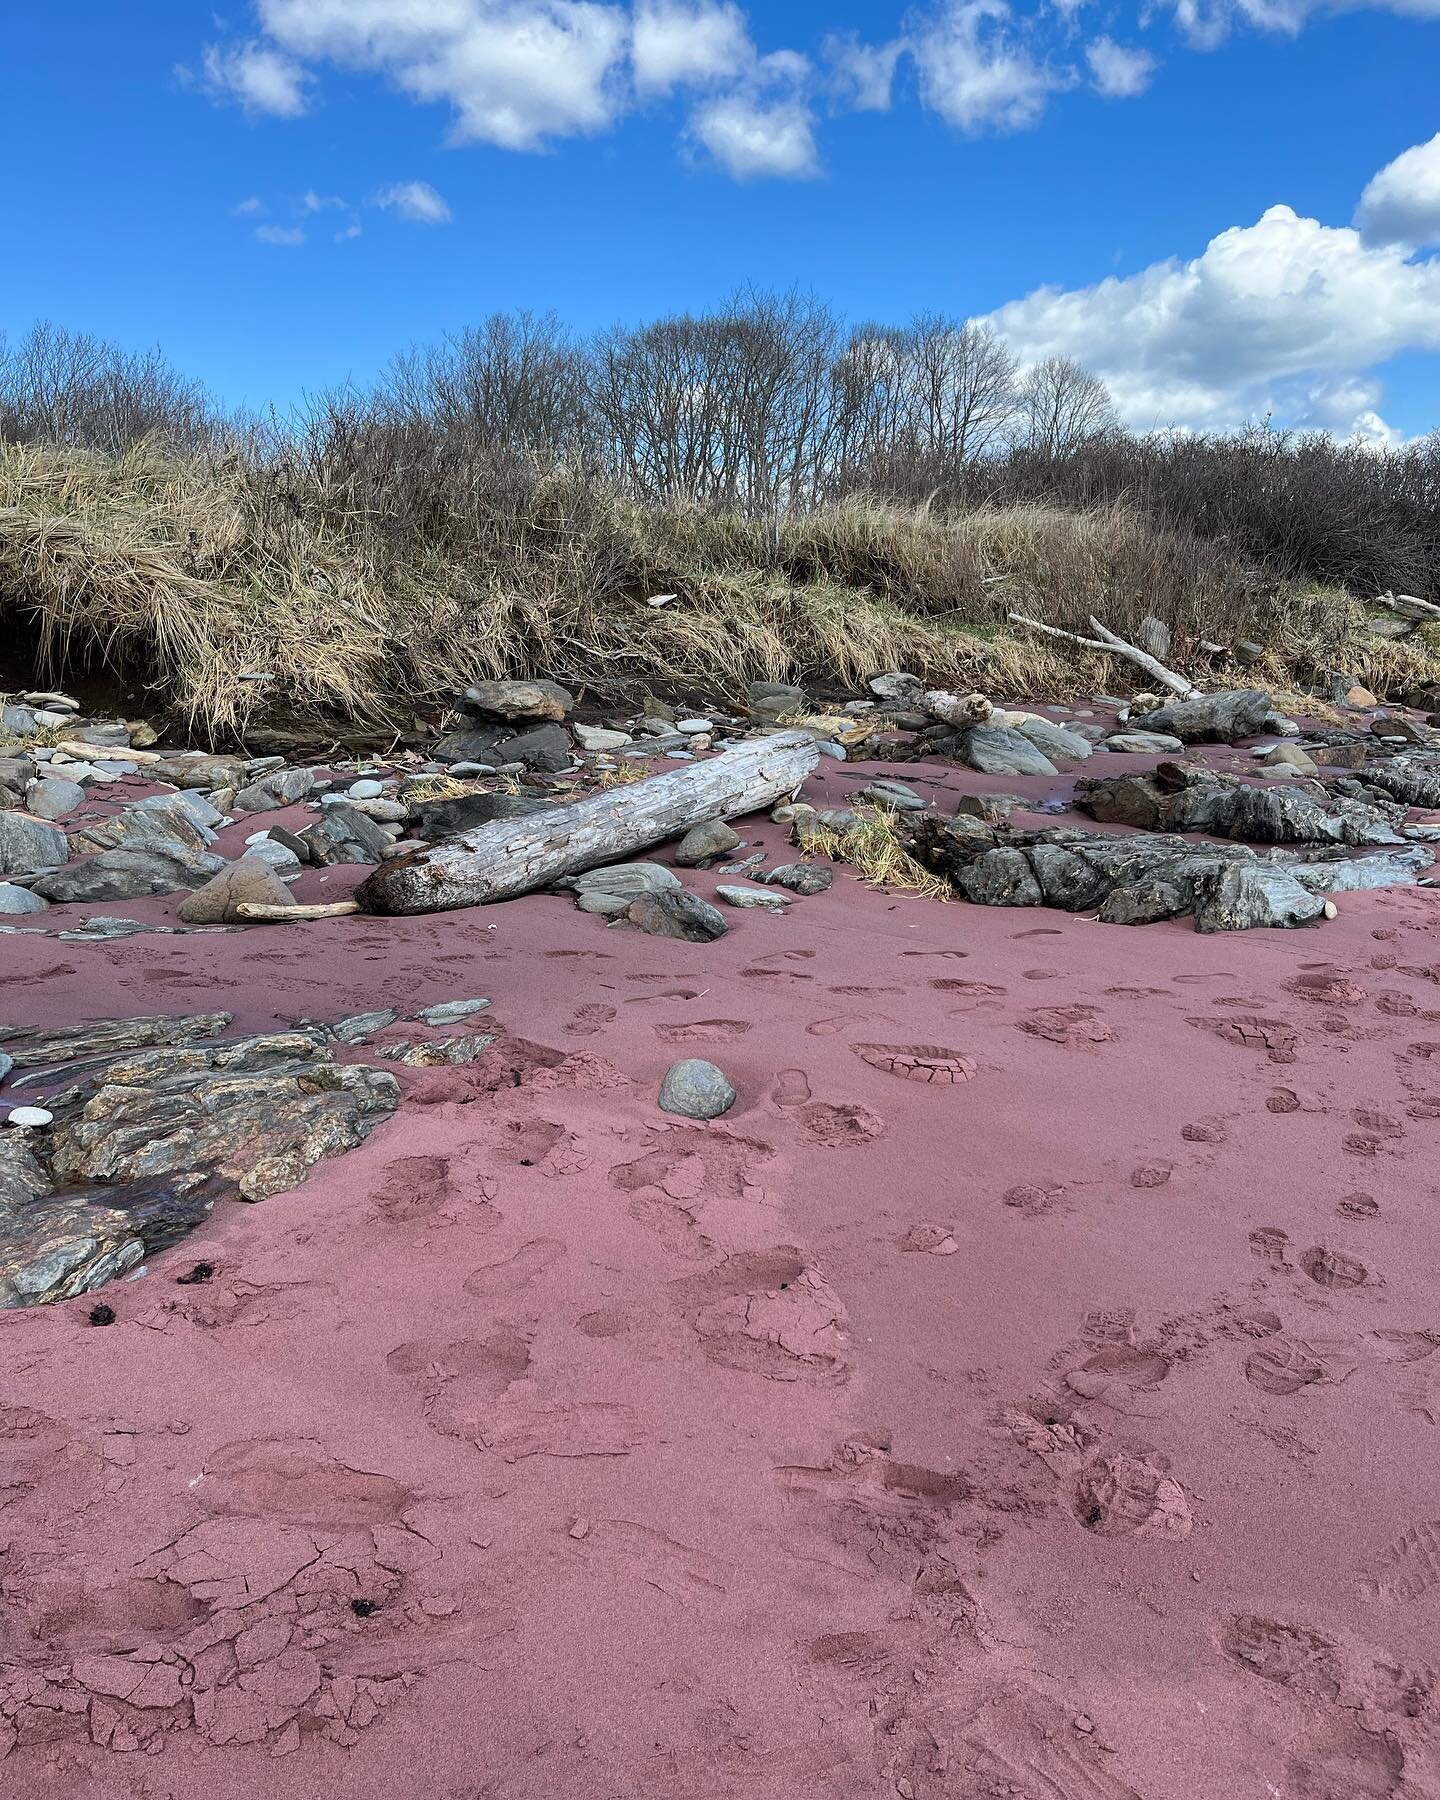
(1207, 23)
(416, 201)
(1283, 315)
(752, 137)
(976, 71)
(280, 237)
(679, 44)
(515, 72)
(1401, 205)
(863, 74)
(1117, 72)
(251, 205)
(257, 77)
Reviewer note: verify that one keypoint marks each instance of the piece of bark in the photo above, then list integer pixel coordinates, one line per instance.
(512, 857)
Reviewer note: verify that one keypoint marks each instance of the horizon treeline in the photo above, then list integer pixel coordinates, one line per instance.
(768, 406)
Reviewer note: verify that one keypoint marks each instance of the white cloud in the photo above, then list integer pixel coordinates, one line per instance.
(688, 43)
(976, 72)
(1118, 73)
(261, 79)
(283, 237)
(751, 137)
(248, 207)
(1283, 315)
(416, 201)
(1401, 205)
(864, 74)
(1207, 23)
(516, 72)
(352, 230)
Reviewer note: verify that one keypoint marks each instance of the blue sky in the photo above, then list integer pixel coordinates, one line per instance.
(1227, 207)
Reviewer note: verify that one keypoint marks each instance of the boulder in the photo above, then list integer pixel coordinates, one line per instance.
(52, 797)
(702, 842)
(596, 738)
(16, 901)
(1288, 756)
(344, 834)
(129, 875)
(892, 796)
(515, 700)
(776, 700)
(902, 689)
(28, 844)
(993, 750)
(250, 881)
(281, 787)
(696, 1089)
(1223, 718)
(676, 913)
(545, 747)
(168, 826)
(629, 880)
(800, 878)
(1143, 743)
(1057, 743)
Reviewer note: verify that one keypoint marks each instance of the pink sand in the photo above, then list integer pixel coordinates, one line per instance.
(1067, 1434)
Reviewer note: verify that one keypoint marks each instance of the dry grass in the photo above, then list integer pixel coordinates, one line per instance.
(874, 850)
(191, 574)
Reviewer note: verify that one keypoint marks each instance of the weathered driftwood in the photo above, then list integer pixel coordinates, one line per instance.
(1105, 639)
(336, 909)
(516, 856)
(77, 747)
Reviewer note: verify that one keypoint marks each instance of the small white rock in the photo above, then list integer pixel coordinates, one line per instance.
(31, 1116)
(692, 727)
(366, 790)
(1332, 911)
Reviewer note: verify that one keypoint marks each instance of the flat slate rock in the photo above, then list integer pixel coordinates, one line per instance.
(28, 844)
(995, 750)
(129, 875)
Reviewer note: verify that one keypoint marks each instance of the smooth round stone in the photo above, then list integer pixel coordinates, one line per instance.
(695, 1089)
(471, 768)
(692, 727)
(366, 790)
(32, 1117)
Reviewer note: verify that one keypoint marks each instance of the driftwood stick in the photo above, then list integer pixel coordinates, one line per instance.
(120, 752)
(1106, 639)
(516, 856)
(337, 909)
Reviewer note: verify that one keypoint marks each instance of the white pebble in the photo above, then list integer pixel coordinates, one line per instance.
(691, 726)
(366, 790)
(29, 1115)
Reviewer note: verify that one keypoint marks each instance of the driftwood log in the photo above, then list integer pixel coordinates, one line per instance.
(290, 915)
(1105, 639)
(516, 856)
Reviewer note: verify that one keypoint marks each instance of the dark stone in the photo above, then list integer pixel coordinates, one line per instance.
(469, 746)
(344, 834)
(1214, 718)
(439, 819)
(129, 875)
(677, 913)
(545, 747)
(776, 700)
(28, 844)
(995, 751)
(800, 878)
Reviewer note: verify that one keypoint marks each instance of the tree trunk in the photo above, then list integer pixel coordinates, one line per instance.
(516, 856)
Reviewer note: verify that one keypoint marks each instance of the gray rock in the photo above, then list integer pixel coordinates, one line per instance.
(695, 1089)
(28, 844)
(1247, 652)
(104, 734)
(1214, 718)
(250, 881)
(189, 801)
(365, 790)
(1144, 743)
(893, 796)
(752, 897)
(1244, 896)
(1287, 756)
(902, 689)
(130, 874)
(450, 1012)
(596, 738)
(545, 747)
(993, 750)
(625, 879)
(800, 878)
(143, 827)
(514, 700)
(1000, 877)
(702, 842)
(14, 901)
(282, 787)
(17, 721)
(470, 748)
(676, 913)
(775, 700)
(53, 797)
(694, 727)
(343, 834)
(604, 906)
(1055, 741)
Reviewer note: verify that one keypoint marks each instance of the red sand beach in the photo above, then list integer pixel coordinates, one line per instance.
(1066, 1433)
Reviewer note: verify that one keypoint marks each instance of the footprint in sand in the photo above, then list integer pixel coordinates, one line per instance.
(767, 1313)
(1120, 1493)
(1034, 1201)
(704, 1031)
(593, 1016)
(1408, 1568)
(1016, 1742)
(1279, 1040)
(846, 1127)
(1077, 1027)
(296, 1481)
(1117, 1371)
(931, 1063)
(1270, 1243)
(1333, 1269)
(515, 1272)
(1292, 1656)
(791, 1089)
(1284, 1365)
(1357, 1206)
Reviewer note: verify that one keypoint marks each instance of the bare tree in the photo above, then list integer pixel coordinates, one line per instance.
(1062, 404)
(66, 387)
